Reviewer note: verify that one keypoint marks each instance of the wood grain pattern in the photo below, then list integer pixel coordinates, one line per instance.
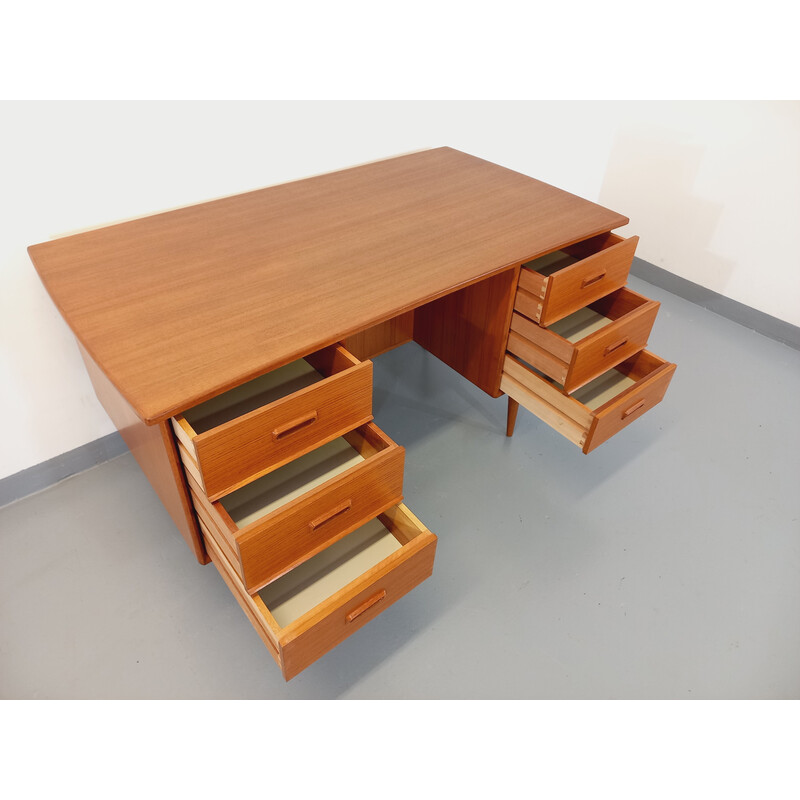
(260, 441)
(535, 285)
(537, 357)
(358, 247)
(210, 527)
(539, 405)
(595, 275)
(403, 523)
(253, 607)
(614, 343)
(314, 634)
(542, 337)
(630, 405)
(511, 417)
(548, 391)
(382, 337)
(581, 425)
(277, 542)
(154, 450)
(575, 364)
(468, 329)
(300, 644)
(189, 464)
(527, 303)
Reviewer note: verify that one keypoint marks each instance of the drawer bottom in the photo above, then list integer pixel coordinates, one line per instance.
(308, 611)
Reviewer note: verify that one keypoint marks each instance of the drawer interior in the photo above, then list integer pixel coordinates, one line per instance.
(596, 393)
(603, 388)
(610, 384)
(602, 312)
(252, 395)
(314, 581)
(307, 611)
(277, 488)
(552, 262)
(560, 259)
(581, 324)
(268, 388)
(598, 410)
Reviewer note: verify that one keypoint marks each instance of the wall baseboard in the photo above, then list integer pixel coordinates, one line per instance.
(751, 318)
(41, 476)
(48, 473)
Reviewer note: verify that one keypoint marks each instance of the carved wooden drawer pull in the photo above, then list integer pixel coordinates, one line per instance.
(634, 407)
(327, 517)
(612, 347)
(589, 281)
(357, 612)
(295, 425)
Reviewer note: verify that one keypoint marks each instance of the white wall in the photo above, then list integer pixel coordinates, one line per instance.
(713, 189)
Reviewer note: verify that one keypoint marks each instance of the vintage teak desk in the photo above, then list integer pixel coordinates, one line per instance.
(230, 343)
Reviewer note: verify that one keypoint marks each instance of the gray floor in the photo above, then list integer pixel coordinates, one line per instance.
(664, 565)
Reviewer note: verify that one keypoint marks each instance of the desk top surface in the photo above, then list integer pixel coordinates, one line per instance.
(182, 305)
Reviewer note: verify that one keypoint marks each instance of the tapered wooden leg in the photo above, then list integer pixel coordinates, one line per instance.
(513, 407)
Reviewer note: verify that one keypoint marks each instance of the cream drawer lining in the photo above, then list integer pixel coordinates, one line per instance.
(602, 389)
(275, 489)
(552, 262)
(579, 325)
(254, 394)
(315, 580)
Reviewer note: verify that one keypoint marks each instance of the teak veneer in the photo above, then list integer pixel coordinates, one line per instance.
(182, 306)
(230, 343)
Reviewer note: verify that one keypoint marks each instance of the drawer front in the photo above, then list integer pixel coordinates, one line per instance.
(611, 346)
(546, 300)
(630, 405)
(575, 364)
(306, 525)
(356, 605)
(245, 448)
(584, 426)
(300, 644)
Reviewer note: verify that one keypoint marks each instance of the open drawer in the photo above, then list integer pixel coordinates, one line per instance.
(591, 340)
(272, 524)
(555, 285)
(310, 610)
(601, 408)
(259, 426)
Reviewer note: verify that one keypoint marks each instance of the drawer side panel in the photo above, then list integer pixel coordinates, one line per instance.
(246, 602)
(546, 412)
